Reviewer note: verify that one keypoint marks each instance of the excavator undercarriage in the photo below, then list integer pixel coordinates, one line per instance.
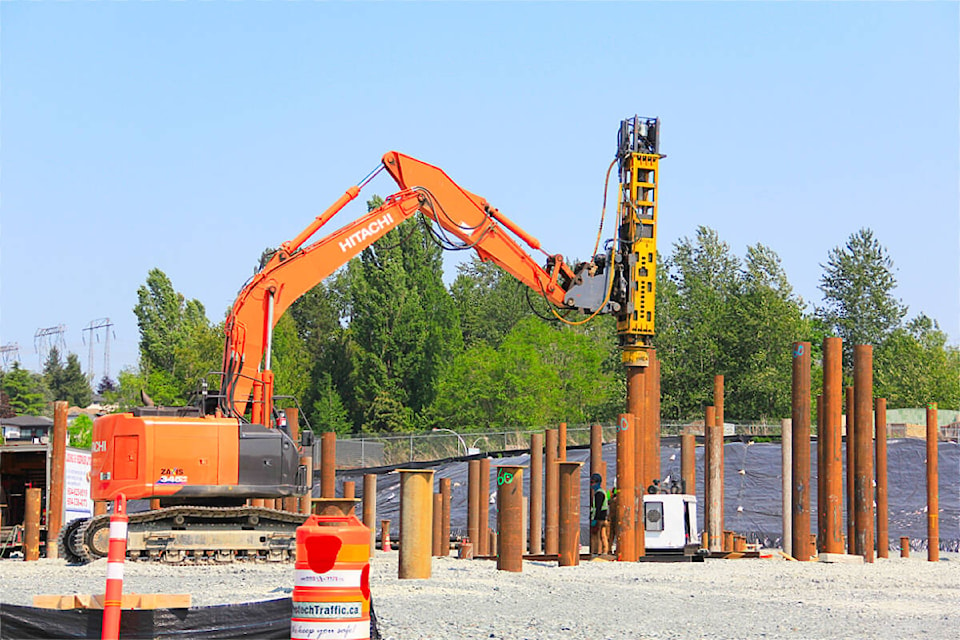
(190, 534)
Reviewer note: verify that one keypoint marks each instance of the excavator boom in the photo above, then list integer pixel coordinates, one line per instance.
(297, 266)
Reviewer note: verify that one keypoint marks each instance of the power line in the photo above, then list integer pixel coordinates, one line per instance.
(10, 352)
(46, 339)
(94, 327)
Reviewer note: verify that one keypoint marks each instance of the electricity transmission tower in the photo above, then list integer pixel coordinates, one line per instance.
(10, 352)
(46, 339)
(94, 327)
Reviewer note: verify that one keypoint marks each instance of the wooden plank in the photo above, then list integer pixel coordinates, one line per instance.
(841, 558)
(53, 602)
(129, 601)
(165, 601)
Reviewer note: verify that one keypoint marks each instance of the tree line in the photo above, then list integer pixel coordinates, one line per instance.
(383, 346)
(23, 392)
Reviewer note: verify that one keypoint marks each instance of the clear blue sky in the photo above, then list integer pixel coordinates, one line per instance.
(189, 136)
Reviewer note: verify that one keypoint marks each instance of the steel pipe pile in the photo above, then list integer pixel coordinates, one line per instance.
(536, 494)
(626, 540)
(416, 519)
(445, 516)
(510, 518)
(551, 500)
(569, 553)
(829, 438)
(801, 450)
(863, 443)
(933, 478)
(370, 508)
(883, 510)
(473, 504)
(484, 542)
(328, 465)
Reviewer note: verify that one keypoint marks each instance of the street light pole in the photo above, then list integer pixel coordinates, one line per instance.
(459, 439)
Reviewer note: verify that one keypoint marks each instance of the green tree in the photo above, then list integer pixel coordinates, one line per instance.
(66, 382)
(53, 374)
(764, 319)
(126, 395)
(857, 285)
(387, 414)
(328, 412)
(718, 314)
(539, 374)
(319, 317)
(291, 361)
(25, 391)
(916, 365)
(178, 346)
(489, 300)
(80, 432)
(695, 306)
(403, 324)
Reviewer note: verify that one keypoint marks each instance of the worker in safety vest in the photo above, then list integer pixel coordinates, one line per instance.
(599, 510)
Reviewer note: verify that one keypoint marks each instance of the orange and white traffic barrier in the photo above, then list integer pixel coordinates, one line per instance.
(116, 552)
(331, 596)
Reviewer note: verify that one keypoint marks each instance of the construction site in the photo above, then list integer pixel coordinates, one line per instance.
(412, 493)
(235, 481)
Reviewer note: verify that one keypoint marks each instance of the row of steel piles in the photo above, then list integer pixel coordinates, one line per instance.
(554, 503)
(329, 504)
(507, 542)
(866, 487)
(554, 493)
(860, 531)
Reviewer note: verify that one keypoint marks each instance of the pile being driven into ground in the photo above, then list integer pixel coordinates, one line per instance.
(895, 598)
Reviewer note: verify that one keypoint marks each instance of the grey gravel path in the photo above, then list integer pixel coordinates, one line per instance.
(892, 598)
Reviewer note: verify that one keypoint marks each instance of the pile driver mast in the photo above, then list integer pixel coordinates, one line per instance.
(638, 158)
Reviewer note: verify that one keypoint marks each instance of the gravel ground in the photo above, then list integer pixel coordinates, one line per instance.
(767, 598)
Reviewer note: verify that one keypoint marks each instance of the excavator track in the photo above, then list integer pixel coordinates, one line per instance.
(65, 542)
(190, 535)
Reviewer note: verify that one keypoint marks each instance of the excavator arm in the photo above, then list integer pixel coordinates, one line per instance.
(298, 266)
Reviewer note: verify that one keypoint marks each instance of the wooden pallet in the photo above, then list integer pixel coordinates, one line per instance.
(129, 601)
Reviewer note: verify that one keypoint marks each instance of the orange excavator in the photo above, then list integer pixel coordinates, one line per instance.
(204, 462)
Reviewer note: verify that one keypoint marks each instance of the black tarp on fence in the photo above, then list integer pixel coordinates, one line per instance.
(265, 619)
(752, 483)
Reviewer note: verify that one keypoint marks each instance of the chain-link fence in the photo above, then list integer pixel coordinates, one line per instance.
(376, 451)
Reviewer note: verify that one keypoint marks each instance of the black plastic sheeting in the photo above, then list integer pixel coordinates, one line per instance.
(752, 482)
(265, 619)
